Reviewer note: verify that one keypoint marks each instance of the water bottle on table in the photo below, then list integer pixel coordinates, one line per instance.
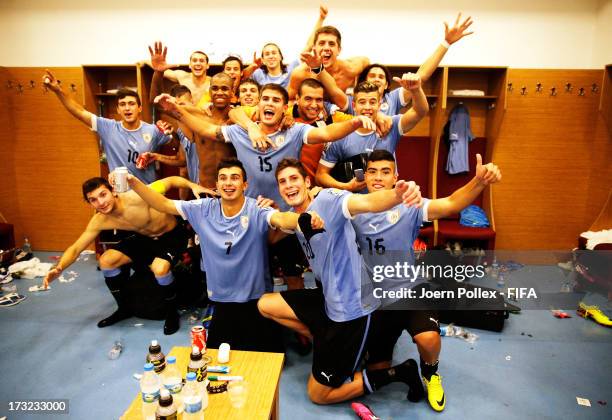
(149, 389)
(192, 399)
(173, 381)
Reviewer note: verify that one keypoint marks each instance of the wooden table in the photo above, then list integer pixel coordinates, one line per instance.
(262, 372)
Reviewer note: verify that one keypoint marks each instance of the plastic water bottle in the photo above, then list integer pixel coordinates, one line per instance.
(173, 381)
(149, 389)
(192, 400)
(115, 351)
(494, 268)
(203, 393)
(460, 332)
(156, 356)
(501, 281)
(27, 247)
(166, 409)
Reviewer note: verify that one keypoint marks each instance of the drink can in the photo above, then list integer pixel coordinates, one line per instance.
(161, 128)
(121, 184)
(198, 338)
(142, 161)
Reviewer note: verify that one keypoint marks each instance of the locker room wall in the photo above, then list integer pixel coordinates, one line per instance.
(8, 193)
(556, 156)
(46, 155)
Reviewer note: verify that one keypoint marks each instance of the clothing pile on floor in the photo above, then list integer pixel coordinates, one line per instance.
(30, 269)
(596, 238)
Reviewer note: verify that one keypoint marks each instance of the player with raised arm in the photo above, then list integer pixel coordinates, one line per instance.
(386, 239)
(234, 231)
(123, 141)
(327, 45)
(196, 80)
(392, 101)
(260, 162)
(158, 240)
(269, 68)
(337, 316)
(367, 103)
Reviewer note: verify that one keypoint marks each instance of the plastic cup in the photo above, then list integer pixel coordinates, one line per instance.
(237, 391)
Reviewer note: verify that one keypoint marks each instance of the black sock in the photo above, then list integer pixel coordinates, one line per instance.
(428, 369)
(114, 284)
(407, 372)
(172, 323)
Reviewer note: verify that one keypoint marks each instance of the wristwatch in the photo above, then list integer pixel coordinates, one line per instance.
(317, 70)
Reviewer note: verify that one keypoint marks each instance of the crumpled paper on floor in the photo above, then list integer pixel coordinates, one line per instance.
(30, 269)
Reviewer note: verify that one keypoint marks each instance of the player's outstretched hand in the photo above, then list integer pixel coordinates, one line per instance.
(50, 81)
(316, 222)
(310, 59)
(158, 57)
(366, 122)
(305, 224)
(259, 140)
(323, 10)
(458, 31)
(409, 81)
(166, 102)
(314, 191)
(384, 123)
(200, 191)
(487, 174)
(286, 122)
(355, 185)
(257, 60)
(52, 275)
(409, 193)
(265, 202)
(111, 179)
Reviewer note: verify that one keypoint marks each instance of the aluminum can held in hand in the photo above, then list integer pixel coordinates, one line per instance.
(121, 184)
(142, 162)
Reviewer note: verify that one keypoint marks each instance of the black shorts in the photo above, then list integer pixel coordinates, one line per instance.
(388, 325)
(287, 254)
(244, 328)
(142, 250)
(338, 347)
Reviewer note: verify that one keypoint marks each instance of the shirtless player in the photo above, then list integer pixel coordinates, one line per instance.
(157, 241)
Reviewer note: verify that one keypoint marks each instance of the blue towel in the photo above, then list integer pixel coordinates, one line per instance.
(473, 216)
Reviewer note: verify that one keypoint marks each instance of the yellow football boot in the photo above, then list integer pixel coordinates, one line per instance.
(435, 392)
(594, 313)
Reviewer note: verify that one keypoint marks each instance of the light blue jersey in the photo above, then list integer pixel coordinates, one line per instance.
(191, 157)
(263, 78)
(234, 249)
(387, 238)
(260, 166)
(335, 260)
(122, 146)
(356, 143)
(391, 104)
(459, 136)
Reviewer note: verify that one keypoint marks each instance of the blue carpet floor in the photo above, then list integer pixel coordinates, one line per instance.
(50, 347)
